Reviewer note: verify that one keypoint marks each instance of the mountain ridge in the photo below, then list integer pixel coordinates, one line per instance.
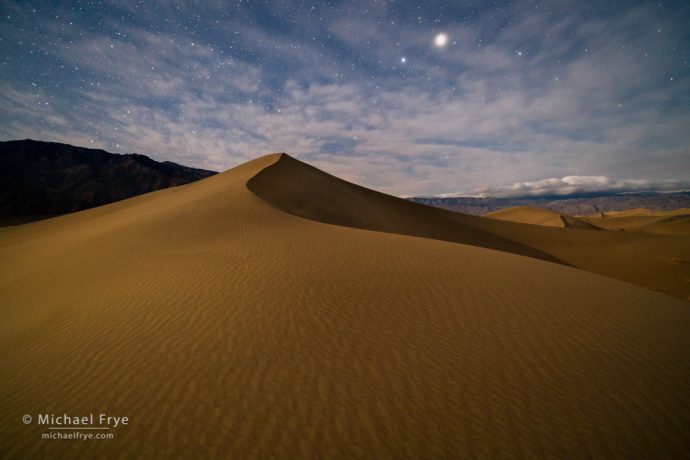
(574, 205)
(44, 179)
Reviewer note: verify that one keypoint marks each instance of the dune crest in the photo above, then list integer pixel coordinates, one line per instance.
(302, 190)
(224, 327)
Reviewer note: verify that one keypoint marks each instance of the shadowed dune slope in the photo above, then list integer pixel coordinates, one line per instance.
(539, 216)
(646, 260)
(308, 192)
(226, 328)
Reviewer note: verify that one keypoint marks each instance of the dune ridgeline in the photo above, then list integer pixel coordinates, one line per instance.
(274, 311)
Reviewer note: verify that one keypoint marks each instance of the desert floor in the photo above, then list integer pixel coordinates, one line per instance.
(274, 311)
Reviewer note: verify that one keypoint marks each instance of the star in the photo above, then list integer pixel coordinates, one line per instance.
(441, 40)
(403, 59)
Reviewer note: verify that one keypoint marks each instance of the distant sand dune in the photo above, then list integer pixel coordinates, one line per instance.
(538, 216)
(226, 328)
(677, 225)
(675, 222)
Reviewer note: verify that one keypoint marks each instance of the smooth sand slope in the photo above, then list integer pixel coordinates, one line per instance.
(224, 327)
(540, 216)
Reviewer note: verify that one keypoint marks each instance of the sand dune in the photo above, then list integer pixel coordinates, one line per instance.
(643, 220)
(676, 225)
(539, 216)
(225, 327)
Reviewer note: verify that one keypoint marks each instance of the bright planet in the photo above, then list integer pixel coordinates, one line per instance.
(441, 40)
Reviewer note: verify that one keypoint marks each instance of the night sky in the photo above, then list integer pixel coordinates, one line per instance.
(409, 98)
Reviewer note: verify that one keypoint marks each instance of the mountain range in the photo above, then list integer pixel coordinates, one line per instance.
(44, 179)
(574, 205)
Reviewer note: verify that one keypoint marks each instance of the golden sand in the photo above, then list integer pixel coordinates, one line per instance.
(225, 324)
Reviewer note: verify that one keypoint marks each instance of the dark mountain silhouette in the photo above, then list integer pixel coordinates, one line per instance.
(45, 179)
